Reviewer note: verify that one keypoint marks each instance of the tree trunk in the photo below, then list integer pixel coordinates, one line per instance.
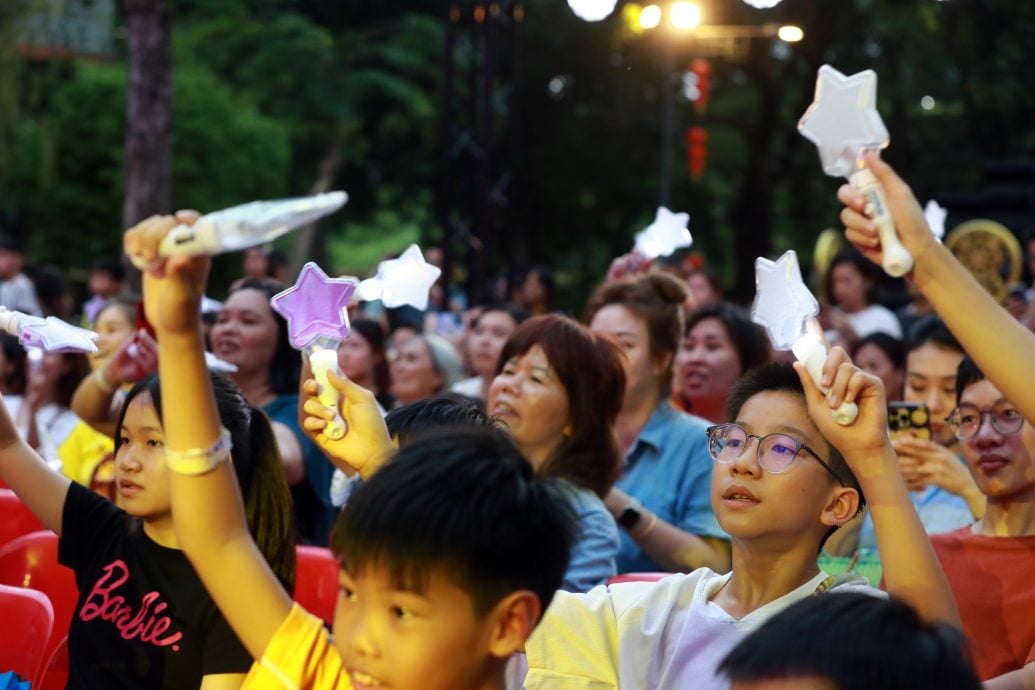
(308, 245)
(149, 101)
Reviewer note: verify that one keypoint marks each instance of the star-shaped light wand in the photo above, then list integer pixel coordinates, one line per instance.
(665, 235)
(405, 280)
(844, 124)
(787, 310)
(50, 334)
(247, 225)
(316, 309)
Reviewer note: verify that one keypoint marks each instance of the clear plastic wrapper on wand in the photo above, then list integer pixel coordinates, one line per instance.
(247, 225)
(844, 124)
(50, 334)
(323, 357)
(316, 309)
(787, 310)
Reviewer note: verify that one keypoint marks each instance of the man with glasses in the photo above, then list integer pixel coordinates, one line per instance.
(785, 476)
(991, 564)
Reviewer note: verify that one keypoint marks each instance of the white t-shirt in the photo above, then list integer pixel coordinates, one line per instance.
(650, 635)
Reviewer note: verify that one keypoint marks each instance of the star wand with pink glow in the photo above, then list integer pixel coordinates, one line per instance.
(316, 309)
(844, 124)
(50, 334)
(787, 310)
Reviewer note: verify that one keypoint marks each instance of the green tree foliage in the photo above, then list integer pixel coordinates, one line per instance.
(273, 96)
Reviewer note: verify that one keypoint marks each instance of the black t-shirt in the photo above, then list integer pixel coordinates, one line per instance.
(143, 620)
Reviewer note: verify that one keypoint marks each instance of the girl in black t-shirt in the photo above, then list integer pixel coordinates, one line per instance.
(144, 620)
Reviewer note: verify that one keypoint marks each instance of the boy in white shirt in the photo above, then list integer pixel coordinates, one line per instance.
(786, 476)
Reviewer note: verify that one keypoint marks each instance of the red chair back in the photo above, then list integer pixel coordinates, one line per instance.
(54, 674)
(316, 584)
(15, 518)
(636, 577)
(25, 627)
(31, 561)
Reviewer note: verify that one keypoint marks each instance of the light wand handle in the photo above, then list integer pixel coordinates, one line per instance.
(322, 361)
(897, 261)
(810, 351)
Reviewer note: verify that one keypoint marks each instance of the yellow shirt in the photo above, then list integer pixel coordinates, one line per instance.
(300, 656)
(82, 451)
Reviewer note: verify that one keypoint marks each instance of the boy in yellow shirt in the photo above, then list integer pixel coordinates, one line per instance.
(449, 554)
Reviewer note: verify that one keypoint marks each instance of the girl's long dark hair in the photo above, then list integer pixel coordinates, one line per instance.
(257, 464)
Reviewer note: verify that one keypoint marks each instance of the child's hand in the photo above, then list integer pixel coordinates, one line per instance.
(864, 441)
(366, 444)
(136, 357)
(910, 223)
(172, 287)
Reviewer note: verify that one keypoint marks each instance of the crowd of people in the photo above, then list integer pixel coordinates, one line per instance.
(503, 467)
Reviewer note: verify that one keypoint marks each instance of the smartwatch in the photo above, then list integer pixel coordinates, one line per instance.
(631, 514)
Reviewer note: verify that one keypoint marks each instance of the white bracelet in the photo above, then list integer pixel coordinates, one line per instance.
(197, 461)
(102, 382)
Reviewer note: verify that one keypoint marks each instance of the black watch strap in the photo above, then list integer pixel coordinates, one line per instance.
(631, 515)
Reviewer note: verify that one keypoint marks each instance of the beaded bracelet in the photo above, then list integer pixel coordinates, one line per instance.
(197, 461)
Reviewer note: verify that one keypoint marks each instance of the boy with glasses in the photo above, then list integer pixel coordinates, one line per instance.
(990, 564)
(786, 476)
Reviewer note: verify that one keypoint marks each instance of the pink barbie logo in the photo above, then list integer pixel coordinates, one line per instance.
(145, 624)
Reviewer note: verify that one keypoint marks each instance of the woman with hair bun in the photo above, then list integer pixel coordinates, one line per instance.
(662, 501)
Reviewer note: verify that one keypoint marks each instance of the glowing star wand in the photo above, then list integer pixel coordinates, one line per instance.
(787, 310)
(50, 334)
(665, 235)
(247, 225)
(844, 124)
(316, 309)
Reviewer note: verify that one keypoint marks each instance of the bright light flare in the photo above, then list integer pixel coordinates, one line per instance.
(592, 10)
(650, 17)
(685, 15)
(790, 33)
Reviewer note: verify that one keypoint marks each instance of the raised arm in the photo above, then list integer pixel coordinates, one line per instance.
(96, 401)
(38, 486)
(208, 512)
(1003, 347)
(911, 568)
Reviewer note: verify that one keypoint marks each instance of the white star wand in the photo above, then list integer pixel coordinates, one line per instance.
(50, 334)
(844, 124)
(787, 310)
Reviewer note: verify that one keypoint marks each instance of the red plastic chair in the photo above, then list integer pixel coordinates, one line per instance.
(316, 582)
(15, 518)
(25, 627)
(636, 577)
(31, 561)
(54, 674)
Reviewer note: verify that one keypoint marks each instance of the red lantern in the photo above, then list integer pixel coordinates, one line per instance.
(702, 70)
(697, 150)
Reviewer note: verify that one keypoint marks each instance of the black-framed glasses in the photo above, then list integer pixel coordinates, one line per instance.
(965, 420)
(776, 452)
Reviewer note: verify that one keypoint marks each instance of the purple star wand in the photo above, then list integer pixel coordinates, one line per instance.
(316, 309)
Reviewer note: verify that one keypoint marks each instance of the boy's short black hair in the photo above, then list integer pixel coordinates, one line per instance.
(857, 641)
(442, 411)
(967, 374)
(781, 377)
(931, 329)
(463, 503)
